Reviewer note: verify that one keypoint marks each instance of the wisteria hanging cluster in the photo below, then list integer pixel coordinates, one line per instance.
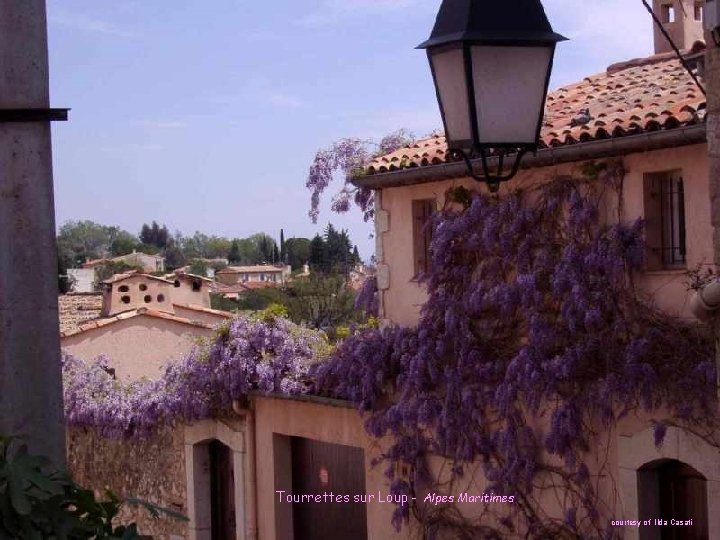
(531, 314)
(347, 156)
(269, 355)
(367, 300)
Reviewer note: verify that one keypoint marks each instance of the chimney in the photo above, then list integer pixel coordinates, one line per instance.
(683, 20)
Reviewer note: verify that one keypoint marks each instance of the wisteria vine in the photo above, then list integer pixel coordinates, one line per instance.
(532, 335)
(265, 355)
(348, 156)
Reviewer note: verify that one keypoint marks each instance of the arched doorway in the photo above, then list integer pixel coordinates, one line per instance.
(669, 489)
(222, 491)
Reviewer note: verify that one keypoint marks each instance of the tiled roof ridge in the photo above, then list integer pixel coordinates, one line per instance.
(251, 268)
(134, 273)
(189, 275)
(203, 309)
(125, 315)
(640, 96)
(638, 62)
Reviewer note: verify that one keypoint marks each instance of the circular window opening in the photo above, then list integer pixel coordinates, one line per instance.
(177, 283)
(125, 299)
(124, 288)
(160, 297)
(196, 285)
(143, 287)
(147, 298)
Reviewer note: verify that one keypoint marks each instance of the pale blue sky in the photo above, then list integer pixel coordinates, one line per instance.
(206, 114)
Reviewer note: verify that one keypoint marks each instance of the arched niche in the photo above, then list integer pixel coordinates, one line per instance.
(639, 459)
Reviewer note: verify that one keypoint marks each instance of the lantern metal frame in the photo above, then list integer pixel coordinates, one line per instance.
(464, 24)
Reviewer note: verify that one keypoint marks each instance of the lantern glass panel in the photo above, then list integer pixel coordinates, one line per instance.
(510, 86)
(448, 67)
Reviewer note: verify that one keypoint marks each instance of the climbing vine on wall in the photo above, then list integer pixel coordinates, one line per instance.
(532, 343)
(267, 354)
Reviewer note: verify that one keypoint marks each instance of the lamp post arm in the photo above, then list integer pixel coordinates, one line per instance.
(493, 181)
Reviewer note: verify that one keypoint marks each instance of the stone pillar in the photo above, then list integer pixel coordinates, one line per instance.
(30, 375)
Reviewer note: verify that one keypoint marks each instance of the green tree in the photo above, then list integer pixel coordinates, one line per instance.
(321, 301)
(283, 254)
(217, 247)
(122, 243)
(109, 269)
(234, 256)
(154, 235)
(78, 241)
(195, 246)
(318, 254)
(297, 252)
(174, 255)
(198, 267)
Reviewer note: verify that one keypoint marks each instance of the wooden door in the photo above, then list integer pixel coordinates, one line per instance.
(222, 491)
(319, 468)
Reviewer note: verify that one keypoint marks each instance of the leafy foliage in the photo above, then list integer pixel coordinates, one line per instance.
(78, 241)
(333, 252)
(154, 235)
(321, 301)
(531, 315)
(37, 501)
(198, 267)
(297, 252)
(109, 268)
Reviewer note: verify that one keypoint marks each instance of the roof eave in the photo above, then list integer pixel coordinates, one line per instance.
(619, 146)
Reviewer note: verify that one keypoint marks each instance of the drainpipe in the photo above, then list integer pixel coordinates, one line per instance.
(705, 304)
(250, 467)
(706, 301)
(712, 83)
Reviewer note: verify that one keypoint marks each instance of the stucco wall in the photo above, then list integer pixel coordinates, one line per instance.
(156, 295)
(137, 347)
(152, 470)
(402, 296)
(613, 461)
(332, 424)
(184, 294)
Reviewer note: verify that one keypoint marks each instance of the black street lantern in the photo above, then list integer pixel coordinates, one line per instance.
(491, 62)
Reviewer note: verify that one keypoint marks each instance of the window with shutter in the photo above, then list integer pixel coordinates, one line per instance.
(664, 197)
(422, 211)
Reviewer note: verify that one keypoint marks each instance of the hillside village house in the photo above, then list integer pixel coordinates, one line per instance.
(233, 275)
(647, 113)
(144, 322)
(148, 263)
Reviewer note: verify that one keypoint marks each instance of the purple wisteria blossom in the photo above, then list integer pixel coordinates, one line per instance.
(348, 157)
(531, 314)
(248, 355)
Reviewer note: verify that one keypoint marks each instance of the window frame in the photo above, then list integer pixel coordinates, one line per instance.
(422, 211)
(665, 213)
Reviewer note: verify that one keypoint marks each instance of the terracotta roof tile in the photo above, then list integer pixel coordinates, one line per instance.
(100, 323)
(187, 276)
(250, 269)
(203, 309)
(132, 274)
(633, 97)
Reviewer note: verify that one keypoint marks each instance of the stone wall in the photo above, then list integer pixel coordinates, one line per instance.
(152, 470)
(74, 309)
